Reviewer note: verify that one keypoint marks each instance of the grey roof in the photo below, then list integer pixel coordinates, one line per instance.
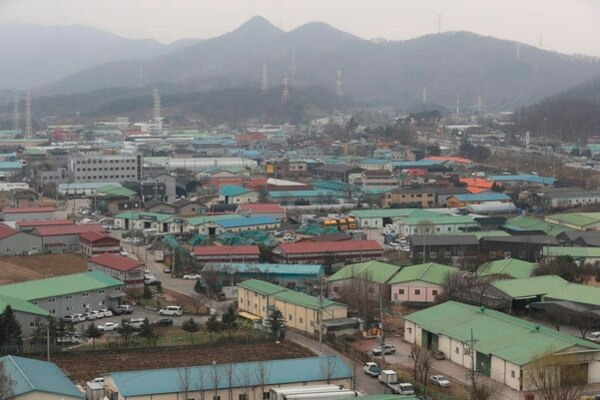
(568, 193)
(342, 168)
(581, 238)
(444, 240)
(449, 191)
(524, 239)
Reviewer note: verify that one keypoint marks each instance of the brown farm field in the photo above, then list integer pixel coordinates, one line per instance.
(78, 367)
(22, 268)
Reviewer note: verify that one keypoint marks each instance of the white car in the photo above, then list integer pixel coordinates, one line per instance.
(99, 313)
(136, 322)
(78, 317)
(191, 276)
(90, 316)
(439, 380)
(108, 326)
(107, 312)
(171, 310)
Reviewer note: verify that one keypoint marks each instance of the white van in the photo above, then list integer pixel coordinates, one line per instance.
(171, 310)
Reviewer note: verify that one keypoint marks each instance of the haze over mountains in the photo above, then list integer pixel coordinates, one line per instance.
(504, 74)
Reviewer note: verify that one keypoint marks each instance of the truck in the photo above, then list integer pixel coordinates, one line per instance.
(372, 369)
(159, 256)
(390, 379)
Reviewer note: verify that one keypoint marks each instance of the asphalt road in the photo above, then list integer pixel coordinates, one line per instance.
(364, 383)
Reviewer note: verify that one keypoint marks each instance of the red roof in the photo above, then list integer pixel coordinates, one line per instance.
(116, 261)
(226, 250)
(93, 236)
(58, 230)
(9, 210)
(323, 247)
(45, 223)
(6, 231)
(262, 208)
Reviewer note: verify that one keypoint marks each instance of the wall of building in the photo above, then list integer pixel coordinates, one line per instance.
(44, 396)
(33, 216)
(133, 278)
(253, 302)
(20, 243)
(68, 243)
(502, 371)
(82, 302)
(416, 291)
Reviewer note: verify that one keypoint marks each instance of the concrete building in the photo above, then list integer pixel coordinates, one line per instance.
(63, 238)
(328, 252)
(240, 224)
(68, 294)
(210, 254)
(237, 195)
(27, 213)
(125, 269)
(37, 380)
(247, 384)
(421, 197)
(368, 279)
(93, 243)
(106, 168)
(420, 283)
(432, 224)
(372, 178)
(25, 313)
(504, 349)
(275, 211)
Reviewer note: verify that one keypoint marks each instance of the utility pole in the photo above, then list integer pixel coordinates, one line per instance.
(382, 336)
(471, 373)
(48, 342)
(320, 316)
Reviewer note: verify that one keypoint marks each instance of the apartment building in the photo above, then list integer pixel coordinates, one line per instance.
(106, 168)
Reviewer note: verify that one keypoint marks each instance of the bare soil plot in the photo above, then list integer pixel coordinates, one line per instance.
(22, 268)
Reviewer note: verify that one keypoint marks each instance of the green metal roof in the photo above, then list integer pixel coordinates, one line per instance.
(428, 272)
(210, 218)
(261, 287)
(393, 212)
(509, 266)
(576, 293)
(525, 223)
(495, 333)
(575, 219)
(30, 375)
(159, 217)
(230, 191)
(575, 252)
(439, 219)
(21, 306)
(59, 285)
(114, 190)
(305, 300)
(481, 234)
(373, 271)
(529, 287)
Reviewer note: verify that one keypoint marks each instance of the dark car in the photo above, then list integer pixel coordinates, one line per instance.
(154, 283)
(163, 322)
(439, 355)
(199, 287)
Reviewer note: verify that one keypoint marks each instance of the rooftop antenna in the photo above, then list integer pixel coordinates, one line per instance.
(424, 95)
(16, 116)
(285, 94)
(28, 128)
(264, 82)
(338, 83)
(156, 108)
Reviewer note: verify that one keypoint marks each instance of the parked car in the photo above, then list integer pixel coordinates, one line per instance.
(107, 312)
(74, 339)
(78, 317)
(155, 282)
(71, 318)
(167, 269)
(372, 369)
(163, 322)
(108, 326)
(98, 380)
(593, 336)
(439, 380)
(136, 322)
(438, 355)
(388, 349)
(171, 310)
(99, 313)
(90, 316)
(123, 309)
(199, 287)
(192, 276)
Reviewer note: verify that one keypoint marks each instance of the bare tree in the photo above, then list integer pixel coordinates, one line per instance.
(215, 378)
(421, 360)
(556, 377)
(197, 302)
(415, 356)
(262, 376)
(228, 369)
(483, 392)
(361, 294)
(185, 380)
(202, 382)
(7, 384)
(244, 378)
(328, 368)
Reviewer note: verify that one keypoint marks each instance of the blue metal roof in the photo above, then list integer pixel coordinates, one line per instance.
(42, 376)
(524, 178)
(268, 268)
(233, 190)
(277, 372)
(10, 165)
(483, 196)
(415, 164)
(375, 161)
(249, 221)
(301, 193)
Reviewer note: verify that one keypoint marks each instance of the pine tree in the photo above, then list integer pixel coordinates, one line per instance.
(148, 332)
(11, 329)
(275, 323)
(92, 332)
(212, 325)
(229, 320)
(191, 327)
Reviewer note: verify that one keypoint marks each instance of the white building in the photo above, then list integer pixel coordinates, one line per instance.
(106, 168)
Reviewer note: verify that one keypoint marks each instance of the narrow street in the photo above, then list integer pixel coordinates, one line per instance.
(364, 383)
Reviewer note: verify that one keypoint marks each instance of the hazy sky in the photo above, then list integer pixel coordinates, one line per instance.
(569, 26)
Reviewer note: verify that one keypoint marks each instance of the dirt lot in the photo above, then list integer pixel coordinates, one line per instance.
(190, 305)
(79, 368)
(22, 268)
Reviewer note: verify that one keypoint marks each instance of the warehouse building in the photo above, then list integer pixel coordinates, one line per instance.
(248, 381)
(504, 348)
(36, 379)
(374, 275)
(93, 243)
(125, 269)
(27, 213)
(328, 252)
(68, 294)
(14, 242)
(25, 313)
(420, 283)
(211, 254)
(63, 238)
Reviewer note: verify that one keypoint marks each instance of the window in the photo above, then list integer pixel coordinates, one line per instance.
(400, 291)
(101, 291)
(417, 291)
(513, 374)
(216, 397)
(507, 254)
(68, 297)
(300, 319)
(432, 254)
(266, 395)
(447, 254)
(290, 317)
(335, 289)
(34, 302)
(32, 324)
(434, 292)
(460, 253)
(85, 294)
(69, 308)
(242, 396)
(52, 300)
(492, 254)
(409, 329)
(456, 350)
(52, 311)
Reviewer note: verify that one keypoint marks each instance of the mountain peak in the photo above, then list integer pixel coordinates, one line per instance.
(257, 25)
